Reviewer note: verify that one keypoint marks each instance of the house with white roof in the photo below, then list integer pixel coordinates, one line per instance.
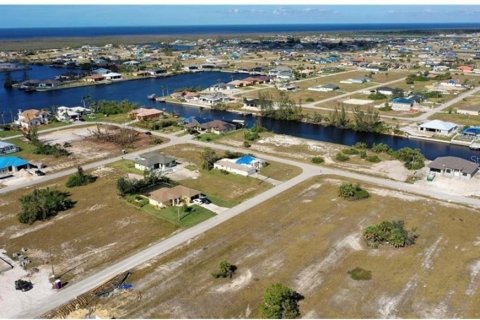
(438, 127)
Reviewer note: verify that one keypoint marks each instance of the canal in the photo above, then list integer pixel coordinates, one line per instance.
(137, 91)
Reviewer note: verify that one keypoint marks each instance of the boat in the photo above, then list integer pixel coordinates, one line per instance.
(151, 96)
(159, 99)
(474, 145)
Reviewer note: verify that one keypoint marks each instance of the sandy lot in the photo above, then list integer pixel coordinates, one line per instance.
(310, 245)
(12, 300)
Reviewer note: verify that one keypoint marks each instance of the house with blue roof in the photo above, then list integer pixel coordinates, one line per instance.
(251, 161)
(11, 164)
(403, 104)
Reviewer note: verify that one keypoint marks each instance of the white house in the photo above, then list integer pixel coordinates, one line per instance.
(325, 88)
(439, 127)
(69, 114)
(245, 165)
(112, 76)
(154, 161)
(6, 147)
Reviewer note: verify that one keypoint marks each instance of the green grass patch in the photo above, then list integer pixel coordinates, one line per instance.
(360, 274)
(114, 118)
(126, 166)
(280, 171)
(196, 214)
(207, 137)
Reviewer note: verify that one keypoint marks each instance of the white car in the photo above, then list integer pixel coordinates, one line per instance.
(198, 201)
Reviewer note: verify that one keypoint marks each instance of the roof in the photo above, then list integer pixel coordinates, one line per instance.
(150, 158)
(142, 112)
(218, 125)
(6, 144)
(11, 161)
(439, 125)
(455, 163)
(403, 100)
(163, 195)
(30, 114)
(231, 164)
(384, 89)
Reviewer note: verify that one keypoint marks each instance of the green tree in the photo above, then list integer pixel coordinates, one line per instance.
(209, 157)
(225, 269)
(80, 178)
(41, 204)
(280, 302)
(350, 191)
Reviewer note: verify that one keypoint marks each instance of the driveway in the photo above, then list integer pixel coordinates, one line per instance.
(214, 208)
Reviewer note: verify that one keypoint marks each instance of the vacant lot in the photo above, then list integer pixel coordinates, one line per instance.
(100, 228)
(79, 141)
(308, 239)
(461, 119)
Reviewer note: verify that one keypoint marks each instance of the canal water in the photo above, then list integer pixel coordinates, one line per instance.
(137, 91)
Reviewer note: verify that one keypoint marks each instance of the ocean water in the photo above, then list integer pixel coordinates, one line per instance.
(27, 33)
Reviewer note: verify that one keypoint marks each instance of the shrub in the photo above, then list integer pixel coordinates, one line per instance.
(389, 232)
(413, 159)
(127, 186)
(280, 302)
(380, 147)
(137, 200)
(42, 204)
(309, 99)
(341, 157)
(246, 144)
(350, 191)
(225, 270)
(363, 154)
(360, 274)
(360, 145)
(318, 160)
(350, 151)
(374, 159)
(80, 179)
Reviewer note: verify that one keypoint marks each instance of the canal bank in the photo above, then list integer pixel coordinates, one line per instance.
(137, 92)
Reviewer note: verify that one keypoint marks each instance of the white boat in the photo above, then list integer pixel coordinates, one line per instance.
(151, 96)
(474, 145)
(159, 99)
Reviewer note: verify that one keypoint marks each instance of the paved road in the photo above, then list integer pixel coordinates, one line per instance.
(74, 290)
(308, 171)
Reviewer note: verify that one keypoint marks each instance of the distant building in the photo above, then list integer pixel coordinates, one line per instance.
(325, 88)
(145, 114)
(244, 166)
(6, 147)
(175, 196)
(403, 104)
(32, 117)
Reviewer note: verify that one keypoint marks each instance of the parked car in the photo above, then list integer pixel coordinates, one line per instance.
(23, 285)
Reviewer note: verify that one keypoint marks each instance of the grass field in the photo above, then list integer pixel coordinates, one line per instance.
(311, 244)
(461, 119)
(98, 230)
(187, 219)
(114, 118)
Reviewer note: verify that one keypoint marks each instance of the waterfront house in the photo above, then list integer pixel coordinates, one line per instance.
(216, 126)
(403, 104)
(9, 165)
(214, 98)
(438, 127)
(113, 76)
(175, 196)
(453, 167)
(32, 117)
(282, 73)
(145, 114)
(101, 71)
(454, 83)
(220, 87)
(6, 147)
(154, 161)
(94, 78)
(47, 84)
(71, 114)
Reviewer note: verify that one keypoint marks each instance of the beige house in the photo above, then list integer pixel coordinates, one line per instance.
(175, 196)
(32, 117)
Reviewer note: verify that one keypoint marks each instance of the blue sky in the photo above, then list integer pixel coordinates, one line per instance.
(32, 16)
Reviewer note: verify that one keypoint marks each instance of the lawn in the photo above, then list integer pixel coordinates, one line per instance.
(115, 118)
(100, 228)
(312, 245)
(126, 166)
(280, 171)
(26, 152)
(51, 125)
(187, 219)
